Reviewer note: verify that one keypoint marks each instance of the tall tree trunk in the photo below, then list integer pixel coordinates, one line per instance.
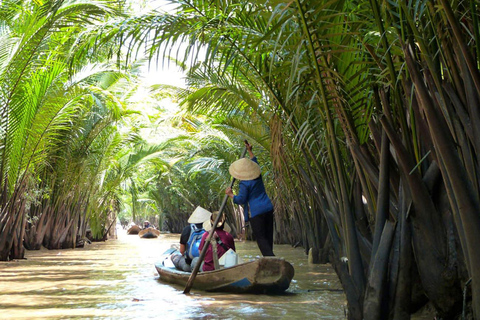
(429, 237)
(403, 291)
(463, 195)
(376, 301)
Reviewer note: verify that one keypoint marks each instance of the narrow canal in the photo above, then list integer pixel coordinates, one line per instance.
(117, 280)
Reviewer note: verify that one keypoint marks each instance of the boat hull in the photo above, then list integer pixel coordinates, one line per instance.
(134, 229)
(268, 275)
(149, 233)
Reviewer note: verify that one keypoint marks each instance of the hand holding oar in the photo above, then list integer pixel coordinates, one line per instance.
(209, 238)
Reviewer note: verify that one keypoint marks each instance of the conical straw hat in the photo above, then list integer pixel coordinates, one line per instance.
(244, 169)
(200, 215)
(207, 225)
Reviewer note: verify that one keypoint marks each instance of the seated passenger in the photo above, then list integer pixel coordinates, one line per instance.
(146, 225)
(223, 239)
(190, 240)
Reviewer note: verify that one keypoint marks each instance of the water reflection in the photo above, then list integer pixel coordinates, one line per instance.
(117, 280)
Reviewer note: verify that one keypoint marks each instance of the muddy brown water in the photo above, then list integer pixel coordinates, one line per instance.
(117, 280)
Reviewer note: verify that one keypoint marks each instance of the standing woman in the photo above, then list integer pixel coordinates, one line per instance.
(252, 194)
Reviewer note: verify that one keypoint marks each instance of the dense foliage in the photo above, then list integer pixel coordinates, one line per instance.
(59, 139)
(367, 110)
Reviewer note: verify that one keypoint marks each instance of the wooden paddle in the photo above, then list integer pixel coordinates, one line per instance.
(209, 238)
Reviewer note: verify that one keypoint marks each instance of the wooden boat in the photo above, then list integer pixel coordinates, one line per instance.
(133, 229)
(265, 275)
(149, 233)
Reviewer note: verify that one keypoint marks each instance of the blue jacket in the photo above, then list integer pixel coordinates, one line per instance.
(252, 194)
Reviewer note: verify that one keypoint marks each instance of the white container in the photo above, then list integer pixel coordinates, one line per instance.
(229, 259)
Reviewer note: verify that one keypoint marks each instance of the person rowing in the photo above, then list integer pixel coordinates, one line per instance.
(258, 209)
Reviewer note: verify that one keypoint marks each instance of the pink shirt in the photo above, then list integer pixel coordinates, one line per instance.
(226, 238)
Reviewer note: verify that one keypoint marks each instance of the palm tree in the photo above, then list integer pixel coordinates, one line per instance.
(370, 122)
(36, 106)
(367, 113)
